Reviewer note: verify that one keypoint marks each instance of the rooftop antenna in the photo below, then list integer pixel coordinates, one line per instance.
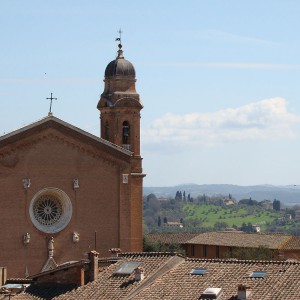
(51, 99)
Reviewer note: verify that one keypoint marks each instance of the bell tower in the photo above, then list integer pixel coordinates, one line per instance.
(120, 106)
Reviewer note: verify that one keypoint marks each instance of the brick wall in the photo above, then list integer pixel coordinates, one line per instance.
(206, 251)
(51, 158)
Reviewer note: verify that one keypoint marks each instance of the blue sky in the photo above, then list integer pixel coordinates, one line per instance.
(219, 80)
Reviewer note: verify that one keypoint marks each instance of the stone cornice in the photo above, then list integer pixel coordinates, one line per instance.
(138, 174)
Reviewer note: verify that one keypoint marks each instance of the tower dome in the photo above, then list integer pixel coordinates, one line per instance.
(120, 105)
(120, 66)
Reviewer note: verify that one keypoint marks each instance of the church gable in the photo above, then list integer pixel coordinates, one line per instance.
(57, 135)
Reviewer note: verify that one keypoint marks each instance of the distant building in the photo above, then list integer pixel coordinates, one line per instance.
(229, 202)
(266, 204)
(173, 224)
(288, 217)
(163, 199)
(297, 215)
(223, 244)
(256, 228)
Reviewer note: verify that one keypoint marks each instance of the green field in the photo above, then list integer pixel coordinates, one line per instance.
(231, 215)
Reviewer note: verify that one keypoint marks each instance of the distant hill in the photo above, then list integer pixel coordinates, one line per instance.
(289, 195)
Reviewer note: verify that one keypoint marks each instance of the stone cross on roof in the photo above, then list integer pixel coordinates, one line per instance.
(51, 99)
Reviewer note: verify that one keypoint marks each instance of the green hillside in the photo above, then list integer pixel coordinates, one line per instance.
(216, 213)
(232, 215)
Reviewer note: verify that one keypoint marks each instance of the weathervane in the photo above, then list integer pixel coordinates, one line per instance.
(119, 38)
(51, 99)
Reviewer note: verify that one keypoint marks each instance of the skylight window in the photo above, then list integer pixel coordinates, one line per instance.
(211, 293)
(198, 271)
(127, 267)
(258, 274)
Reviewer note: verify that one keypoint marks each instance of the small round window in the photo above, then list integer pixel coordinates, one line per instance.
(50, 210)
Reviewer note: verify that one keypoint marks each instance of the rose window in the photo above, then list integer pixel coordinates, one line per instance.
(47, 210)
(50, 210)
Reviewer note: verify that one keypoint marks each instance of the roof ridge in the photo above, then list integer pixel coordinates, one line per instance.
(242, 232)
(167, 266)
(25, 125)
(67, 125)
(145, 254)
(245, 261)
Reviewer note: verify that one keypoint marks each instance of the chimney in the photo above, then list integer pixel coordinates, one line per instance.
(3, 275)
(139, 274)
(94, 269)
(244, 292)
(115, 251)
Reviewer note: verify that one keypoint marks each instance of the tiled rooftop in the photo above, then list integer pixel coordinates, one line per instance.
(292, 244)
(111, 286)
(241, 239)
(171, 238)
(21, 296)
(49, 291)
(168, 277)
(282, 280)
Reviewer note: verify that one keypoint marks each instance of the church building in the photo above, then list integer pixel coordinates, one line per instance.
(64, 191)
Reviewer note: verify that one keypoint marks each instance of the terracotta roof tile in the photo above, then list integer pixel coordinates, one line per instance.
(24, 296)
(241, 239)
(111, 286)
(292, 244)
(48, 290)
(171, 238)
(282, 279)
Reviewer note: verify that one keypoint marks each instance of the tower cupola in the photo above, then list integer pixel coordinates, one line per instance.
(120, 105)
(120, 67)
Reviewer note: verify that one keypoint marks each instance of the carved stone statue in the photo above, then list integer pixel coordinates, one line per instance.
(75, 236)
(26, 238)
(51, 247)
(26, 183)
(76, 183)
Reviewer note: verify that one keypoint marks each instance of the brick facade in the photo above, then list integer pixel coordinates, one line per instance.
(106, 211)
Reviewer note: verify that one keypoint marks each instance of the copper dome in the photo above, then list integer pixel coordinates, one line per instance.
(119, 67)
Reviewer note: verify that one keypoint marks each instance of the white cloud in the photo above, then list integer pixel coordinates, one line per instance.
(267, 119)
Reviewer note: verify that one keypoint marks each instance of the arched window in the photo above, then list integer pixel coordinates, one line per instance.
(126, 133)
